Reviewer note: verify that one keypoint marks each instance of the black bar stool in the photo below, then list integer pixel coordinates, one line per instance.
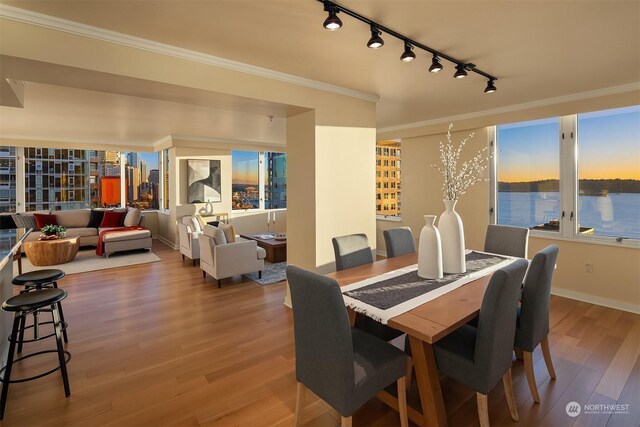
(40, 279)
(23, 305)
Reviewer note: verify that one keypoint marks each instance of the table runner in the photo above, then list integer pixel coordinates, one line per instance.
(393, 293)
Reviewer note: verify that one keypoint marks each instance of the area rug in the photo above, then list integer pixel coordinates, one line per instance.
(272, 273)
(87, 260)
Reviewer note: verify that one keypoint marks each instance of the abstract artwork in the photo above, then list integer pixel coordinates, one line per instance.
(204, 181)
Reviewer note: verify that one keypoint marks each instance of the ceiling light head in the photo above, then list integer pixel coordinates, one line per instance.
(436, 66)
(407, 55)
(461, 73)
(332, 22)
(375, 42)
(490, 87)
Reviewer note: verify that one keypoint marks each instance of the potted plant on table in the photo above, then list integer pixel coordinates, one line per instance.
(51, 232)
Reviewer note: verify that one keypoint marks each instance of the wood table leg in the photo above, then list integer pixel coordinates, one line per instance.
(428, 381)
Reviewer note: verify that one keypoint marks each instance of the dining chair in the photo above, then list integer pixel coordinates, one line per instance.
(507, 240)
(344, 366)
(532, 327)
(399, 241)
(351, 251)
(479, 357)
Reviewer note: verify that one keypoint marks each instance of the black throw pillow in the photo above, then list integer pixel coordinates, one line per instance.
(214, 223)
(95, 219)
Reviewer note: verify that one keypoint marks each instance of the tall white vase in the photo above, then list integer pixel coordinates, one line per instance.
(429, 251)
(452, 237)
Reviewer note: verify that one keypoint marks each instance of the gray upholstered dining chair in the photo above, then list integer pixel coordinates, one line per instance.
(507, 240)
(351, 250)
(399, 241)
(479, 357)
(344, 366)
(532, 327)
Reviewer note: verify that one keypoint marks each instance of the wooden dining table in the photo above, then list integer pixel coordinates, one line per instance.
(425, 325)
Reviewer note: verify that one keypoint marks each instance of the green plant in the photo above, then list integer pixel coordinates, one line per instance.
(50, 230)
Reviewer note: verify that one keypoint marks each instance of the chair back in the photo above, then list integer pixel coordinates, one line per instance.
(497, 321)
(351, 251)
(507, 240)
(323, 342)
(534, 310)
(399, 241)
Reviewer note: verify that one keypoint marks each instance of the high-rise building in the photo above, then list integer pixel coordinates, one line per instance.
(154, 176)
(133, 183)
(7, 179)
(388, 178)
(143, 171)
(132, 159)
(275, 193)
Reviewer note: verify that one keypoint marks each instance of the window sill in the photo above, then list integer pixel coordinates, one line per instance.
(603, 241)
(388, 218)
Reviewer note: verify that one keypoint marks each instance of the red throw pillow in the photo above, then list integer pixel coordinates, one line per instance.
(112, 219)
(45, 219)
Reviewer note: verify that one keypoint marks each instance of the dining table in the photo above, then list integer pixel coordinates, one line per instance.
(425, 325)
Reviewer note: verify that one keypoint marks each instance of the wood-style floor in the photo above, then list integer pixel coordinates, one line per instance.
(157, 345)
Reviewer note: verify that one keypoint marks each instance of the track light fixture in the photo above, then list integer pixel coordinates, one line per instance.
(490, 87)
(436, 66)
(463, 68)
(375, 42)
(460, 73)
(332, 22)
(407, 55)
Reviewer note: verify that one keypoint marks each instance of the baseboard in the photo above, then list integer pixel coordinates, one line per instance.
(168, 243)
(606, 302)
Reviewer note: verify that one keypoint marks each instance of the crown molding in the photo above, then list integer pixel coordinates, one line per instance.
(516, 107)
(46, 21)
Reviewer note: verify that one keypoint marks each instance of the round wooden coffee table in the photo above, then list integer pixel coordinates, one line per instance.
(51, 252)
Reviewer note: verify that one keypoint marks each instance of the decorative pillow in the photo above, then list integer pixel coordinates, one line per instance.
(45, 219)
(195, 225)
(216, 234)
(201, 221)
(132, 218)
(229, 232)
(112, 219)
(95, 219)
(214, 223)
(25, 221)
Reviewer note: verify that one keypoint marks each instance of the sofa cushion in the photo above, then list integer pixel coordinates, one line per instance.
(132, 218)
(112, 219)
(73, 219)
(124, 235)
(45, 219)
(95, 218)
(82, 232)
(25, 221)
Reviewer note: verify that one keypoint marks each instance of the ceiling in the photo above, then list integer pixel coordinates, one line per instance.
(537, 49)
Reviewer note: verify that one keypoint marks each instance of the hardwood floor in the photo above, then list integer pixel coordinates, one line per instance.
(156, 344)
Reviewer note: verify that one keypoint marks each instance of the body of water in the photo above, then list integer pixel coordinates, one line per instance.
(615, 215)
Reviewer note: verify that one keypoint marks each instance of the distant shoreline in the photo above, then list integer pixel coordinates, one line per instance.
(587, 186)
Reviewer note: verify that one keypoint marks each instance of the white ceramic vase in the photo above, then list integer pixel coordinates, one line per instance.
(429, 251)
(452, 238)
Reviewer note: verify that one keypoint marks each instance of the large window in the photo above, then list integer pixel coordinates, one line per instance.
(165, 179)
(388, 179)
(7, 179)
(578, 175)
(142, 180)
(275, 185)
(256, 187)
(104, 178)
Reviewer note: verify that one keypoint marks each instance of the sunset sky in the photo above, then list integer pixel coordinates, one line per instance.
(609, 147)
(244, 167)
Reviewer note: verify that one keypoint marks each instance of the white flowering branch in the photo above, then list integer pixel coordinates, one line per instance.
(456, 182)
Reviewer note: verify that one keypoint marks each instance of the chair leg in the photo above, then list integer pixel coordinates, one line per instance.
(57, 329)
(204, 274)
(546, 353)
(64, 331)
(260, 274)
(346, 422)
(182, 257)
(23, 321)
(194, 262)
(508, 392)
(518, 352)
(7, 372)
(297, 418)
(402, 401)
(483, 409)
(409, 372)
(219, 283)
(531, 377)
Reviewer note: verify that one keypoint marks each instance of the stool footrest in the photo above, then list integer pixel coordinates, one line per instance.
(63, 327)
(35, 377)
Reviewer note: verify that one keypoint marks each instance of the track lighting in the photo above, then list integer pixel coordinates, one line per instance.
(461, 73)
(463, 68)
(490, 87)
(332, 22)
(436, 66)
(407, 55)
(375, 42)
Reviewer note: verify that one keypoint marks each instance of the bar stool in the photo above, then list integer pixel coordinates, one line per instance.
(23, 305)
(40, 279)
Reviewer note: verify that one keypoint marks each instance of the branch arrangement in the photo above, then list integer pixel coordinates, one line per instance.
(456, 182)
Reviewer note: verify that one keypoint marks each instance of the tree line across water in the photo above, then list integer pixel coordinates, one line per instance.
(587, 186)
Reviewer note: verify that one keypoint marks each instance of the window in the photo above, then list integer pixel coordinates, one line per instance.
(104, 178)
(140, 191)
(7, 179)
(388, 177)
(275, 182)
(165, 179)
(577, 176)
(245, 181)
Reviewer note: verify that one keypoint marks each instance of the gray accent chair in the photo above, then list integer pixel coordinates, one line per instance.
(344, 366)
(399, 241)
(507, 240)
(532, 327)
(479, 357)
(351, 251)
